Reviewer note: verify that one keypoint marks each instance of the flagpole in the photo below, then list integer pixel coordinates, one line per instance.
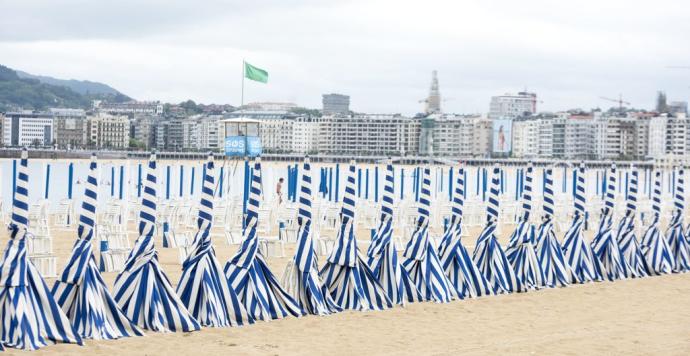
(242, 100)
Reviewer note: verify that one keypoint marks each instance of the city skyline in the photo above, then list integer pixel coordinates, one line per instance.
(381, 53)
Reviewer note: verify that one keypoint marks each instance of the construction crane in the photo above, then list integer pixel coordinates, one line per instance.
(620, 101)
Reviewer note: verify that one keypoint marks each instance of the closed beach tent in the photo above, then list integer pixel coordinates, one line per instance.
(80, 289)
(142, 289)
(680, 249)
(421, 258)
(549, 251)
(248, 273)
(382, 256)
(346, 275)
(203, 288)
(635, 265)
(605, 245)
(463, 274)
(521, 250)
(578, 253)
(488, 254)
(31, 318)
(654, 245)
(301, 277)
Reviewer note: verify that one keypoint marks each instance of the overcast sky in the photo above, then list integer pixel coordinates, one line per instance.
(381, 53)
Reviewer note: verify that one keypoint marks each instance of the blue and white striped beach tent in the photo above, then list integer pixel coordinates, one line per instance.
(654, 247)
(382, 255)
(346, 275)
(578, 253)
(521, 250)
(605, 245)
(488, 254)
(80, 289)
(142, 289)
(549, 251)
(635, 265)
(248, 273)
(421, 259)
(203, 288)
(31, 318)
(301, 277)
(680, 249)
(463, 274)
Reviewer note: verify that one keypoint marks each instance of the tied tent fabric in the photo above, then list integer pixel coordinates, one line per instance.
(301, 275)
(521, 250)
(488, 254)
(142, 289)
(654, 247)
(203, 288)
(80, 289)
(464, 276)
(605, 245)
(382, 255)
(635, 265)
(680, 249)
(549, 251)
(346, 274)
(248, 273)
(578, 253)
(31, 318)
(421, 258)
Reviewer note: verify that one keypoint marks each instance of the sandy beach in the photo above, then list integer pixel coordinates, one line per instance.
(641, 316)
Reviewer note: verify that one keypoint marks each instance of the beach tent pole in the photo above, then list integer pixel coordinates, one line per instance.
(366, 187)
(112, 181)
(14, 178)
(245, 192)
(332, 192)
(450, 184)
(122, 181)
(139, 181)
(477, 183)
(47, 187)
(376, 184)
(181, 180)
(220, 181)
(70, 179)
(167, 182)
(402, 183)
(574, 182)
(565, 179)
(337, 182)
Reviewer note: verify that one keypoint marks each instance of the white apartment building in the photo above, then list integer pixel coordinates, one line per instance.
(277, 134)
(27, 128)
(458, 136)
(657, 137)
(526, 138)
(512, 106)
(202, 133)
(305, 133)
(369, 135)
(107, 131)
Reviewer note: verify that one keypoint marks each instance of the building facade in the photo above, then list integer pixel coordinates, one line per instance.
(512, 106)
(69, 128)
(107, 131)
(28, 128)
(335, 104)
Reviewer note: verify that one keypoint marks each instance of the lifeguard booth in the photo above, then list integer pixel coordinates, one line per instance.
(242, 137)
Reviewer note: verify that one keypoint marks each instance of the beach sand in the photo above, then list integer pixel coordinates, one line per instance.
(641, 316)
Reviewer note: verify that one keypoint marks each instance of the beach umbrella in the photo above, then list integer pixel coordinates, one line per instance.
(604, 244)
(549, 251)
(382, 255)
(346, 275)
(521, 250)
(578, 253)
(635, 265)
(488, 254)
(421, 260)
(301, 276)
(142, 289)
(248, 273)
(80, 290)
(463, 274)
(31, 318)
(203, 288)
(680, 249)
(654, 245)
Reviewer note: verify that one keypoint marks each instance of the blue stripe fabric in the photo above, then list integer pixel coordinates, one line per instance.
(677, 241)
(301, 276)
(142, 289)
(346, 274)
(549, 251)
(248, 273)
(605, 245)
(382, 256)
(521, 250)
(488, 254)
(635, 265)
(80, 289)
(464, 276)
(578, 253)
(203, 288)
(421, 259)
(31, 318)
(658, 256)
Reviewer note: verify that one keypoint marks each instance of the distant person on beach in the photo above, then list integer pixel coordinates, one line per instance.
(279, 191)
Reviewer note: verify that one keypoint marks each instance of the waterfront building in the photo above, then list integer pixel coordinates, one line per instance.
(380, 134)
(69, 127)
(143, 130)
(335, 104)
(130, 108)
(510, 106)
(107, 131)
(28, 128)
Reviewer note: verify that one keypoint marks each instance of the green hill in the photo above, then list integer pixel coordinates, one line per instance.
(31, 93)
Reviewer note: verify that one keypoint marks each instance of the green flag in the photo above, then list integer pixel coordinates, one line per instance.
(255, 73)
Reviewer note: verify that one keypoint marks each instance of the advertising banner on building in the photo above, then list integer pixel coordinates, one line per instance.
(502, 136)
(240, 146)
